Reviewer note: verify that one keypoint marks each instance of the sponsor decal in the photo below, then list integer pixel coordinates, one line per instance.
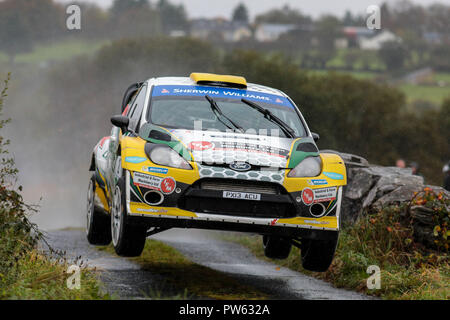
(325, 194)
(201, 91)
(240, 166)
(165, 185)
(241, 195)
(135, 159)
(334, 175)
(307, 196)
(316, 222)
(155, 170)
(168, 185)
(200, 145)
(146, 180)
(152, 210)
(247, 147)
(317, 182)
(102, 142)
(273, 222)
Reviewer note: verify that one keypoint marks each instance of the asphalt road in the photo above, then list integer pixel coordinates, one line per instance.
(126, 280)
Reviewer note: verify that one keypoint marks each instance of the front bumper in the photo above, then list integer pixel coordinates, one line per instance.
(175, 211)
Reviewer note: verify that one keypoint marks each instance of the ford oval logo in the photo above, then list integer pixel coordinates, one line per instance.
(240, 166)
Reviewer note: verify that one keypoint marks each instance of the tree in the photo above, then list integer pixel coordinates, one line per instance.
(328, 28)
(23, 23)
(240, 13)
(134, 18)
(172, 17)
(285, 15)
(120, 6)
(440, 57)
(394, 55)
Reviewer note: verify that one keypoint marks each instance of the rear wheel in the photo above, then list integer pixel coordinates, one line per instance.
(128, 239)
(98, 231)
(317, 255)
(276, 247)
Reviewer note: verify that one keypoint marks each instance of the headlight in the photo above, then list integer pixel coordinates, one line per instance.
(309, 167)
(168, 157)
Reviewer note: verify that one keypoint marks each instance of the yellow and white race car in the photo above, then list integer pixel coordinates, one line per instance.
(214, 152)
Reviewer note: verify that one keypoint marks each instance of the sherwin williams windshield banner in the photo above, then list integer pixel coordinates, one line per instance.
(200, 91)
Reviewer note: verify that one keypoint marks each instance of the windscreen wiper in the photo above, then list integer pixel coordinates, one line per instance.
(271, 117)
(219, 114)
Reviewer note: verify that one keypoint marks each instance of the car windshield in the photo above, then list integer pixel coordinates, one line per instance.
(186, 107)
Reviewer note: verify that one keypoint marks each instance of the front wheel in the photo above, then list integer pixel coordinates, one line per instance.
(276, 247)
(128, 240)
(317, 255)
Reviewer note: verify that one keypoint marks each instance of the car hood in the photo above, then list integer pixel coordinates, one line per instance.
(226, 148)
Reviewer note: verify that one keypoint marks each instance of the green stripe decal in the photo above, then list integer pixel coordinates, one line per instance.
(174, 143)
(298, 156)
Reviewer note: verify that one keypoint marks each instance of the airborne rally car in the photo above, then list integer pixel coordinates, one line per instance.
(214, 152)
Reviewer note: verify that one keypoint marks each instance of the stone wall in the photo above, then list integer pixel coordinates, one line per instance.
(370, 187)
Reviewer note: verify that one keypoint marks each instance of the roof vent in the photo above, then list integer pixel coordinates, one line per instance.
(219, 80)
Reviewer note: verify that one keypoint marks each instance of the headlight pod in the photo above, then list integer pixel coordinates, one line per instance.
(309, 167)
(166, 156)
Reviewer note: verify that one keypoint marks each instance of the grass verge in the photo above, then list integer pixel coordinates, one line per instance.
(25, 273)
(189, 278)
(409, 271)
(35, 276)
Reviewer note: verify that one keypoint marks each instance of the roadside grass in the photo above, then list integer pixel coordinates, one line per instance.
(189, 278)
(408, 270)
(25, 272)
(35, 276)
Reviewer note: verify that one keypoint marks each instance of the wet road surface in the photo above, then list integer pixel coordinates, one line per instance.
(126, 280)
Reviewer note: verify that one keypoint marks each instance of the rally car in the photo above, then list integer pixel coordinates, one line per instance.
(214, 152)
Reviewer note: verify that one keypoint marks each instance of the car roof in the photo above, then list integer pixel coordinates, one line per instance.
(186, 81)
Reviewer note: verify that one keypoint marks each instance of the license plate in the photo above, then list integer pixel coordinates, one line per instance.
(241, 195)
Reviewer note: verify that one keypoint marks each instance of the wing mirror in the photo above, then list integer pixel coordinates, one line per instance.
(121, 122)
(315, 136)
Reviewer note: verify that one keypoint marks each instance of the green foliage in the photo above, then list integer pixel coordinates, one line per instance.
(394, 55)
(285, 15)
(440, 206)
(23, 23)
(25, 273)
(386, 239)
(173, 17)
(240, 13)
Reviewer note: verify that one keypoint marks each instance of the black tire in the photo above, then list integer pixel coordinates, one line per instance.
(317, 255)
(128, 239)
(98, 231)
(276, 247)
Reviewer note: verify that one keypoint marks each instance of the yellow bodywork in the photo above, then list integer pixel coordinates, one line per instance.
(134, 147)
(210, 77)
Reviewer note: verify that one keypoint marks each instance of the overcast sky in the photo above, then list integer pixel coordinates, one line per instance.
(224, 8)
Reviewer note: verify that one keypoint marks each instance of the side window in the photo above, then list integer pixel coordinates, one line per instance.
(131, 105)
(136, 110)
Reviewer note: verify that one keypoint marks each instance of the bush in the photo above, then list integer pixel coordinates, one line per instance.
(26, 273)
